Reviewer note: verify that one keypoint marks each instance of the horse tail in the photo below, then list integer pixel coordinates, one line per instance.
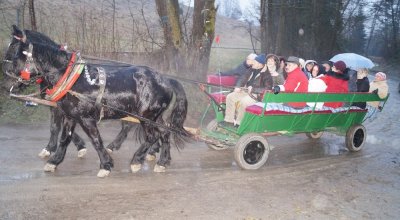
(178, 115)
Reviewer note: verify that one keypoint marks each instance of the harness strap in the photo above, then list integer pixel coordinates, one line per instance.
(102, 85)
(68, 71)
(66, 82)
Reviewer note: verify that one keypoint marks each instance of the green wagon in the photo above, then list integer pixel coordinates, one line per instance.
(249, 140)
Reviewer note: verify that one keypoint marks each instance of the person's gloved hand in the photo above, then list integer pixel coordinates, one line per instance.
(375, 91)
(276, 89)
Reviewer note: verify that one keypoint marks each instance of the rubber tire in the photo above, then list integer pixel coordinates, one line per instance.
(212, 126)
(314, 135)
(355, 137)
(246, 141)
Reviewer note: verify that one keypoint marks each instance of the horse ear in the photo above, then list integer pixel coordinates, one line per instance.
(16, 31)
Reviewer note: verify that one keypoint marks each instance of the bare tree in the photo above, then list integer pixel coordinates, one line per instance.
(32, 15)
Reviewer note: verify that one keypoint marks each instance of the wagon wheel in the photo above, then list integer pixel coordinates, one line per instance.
(251, 151)
(212, 126)
(315, 134)
(355, 137)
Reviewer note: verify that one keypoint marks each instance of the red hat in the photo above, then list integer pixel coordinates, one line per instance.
(340, 65)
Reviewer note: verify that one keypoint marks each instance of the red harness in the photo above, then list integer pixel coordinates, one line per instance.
(64, 83)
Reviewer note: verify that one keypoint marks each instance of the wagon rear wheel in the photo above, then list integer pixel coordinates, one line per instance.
(211, 127)
(251, 151)
(355, 137)
(315, 134)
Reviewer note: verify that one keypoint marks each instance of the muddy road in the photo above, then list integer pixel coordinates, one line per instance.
(303, 179)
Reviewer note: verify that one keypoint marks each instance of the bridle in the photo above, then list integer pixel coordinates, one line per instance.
(29, 66)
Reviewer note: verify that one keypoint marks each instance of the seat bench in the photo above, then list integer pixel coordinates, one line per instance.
(220, 96)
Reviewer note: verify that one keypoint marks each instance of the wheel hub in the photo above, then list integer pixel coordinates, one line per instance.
(253, 152)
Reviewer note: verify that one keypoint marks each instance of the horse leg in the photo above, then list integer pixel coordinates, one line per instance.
(121, 137)
(106, 162)
(165, 154)
(151, 154)
(151, 137)
(80, 145)
(55, 126)
(66, 136)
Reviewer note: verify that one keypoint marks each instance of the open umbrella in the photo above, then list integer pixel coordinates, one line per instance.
(353, 60)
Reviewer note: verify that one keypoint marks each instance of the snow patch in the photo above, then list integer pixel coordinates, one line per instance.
(372, 139)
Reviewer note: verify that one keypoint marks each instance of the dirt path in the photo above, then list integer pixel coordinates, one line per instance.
(303, 179)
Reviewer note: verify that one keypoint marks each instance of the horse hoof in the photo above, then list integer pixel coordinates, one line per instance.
(136, 167)
(103, 173)
(44, 153)
(150, 157)
(82, 152)
(159, 169)
(109, 150)
(49, 167)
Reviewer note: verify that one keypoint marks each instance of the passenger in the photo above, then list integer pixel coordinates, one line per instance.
(282, 64)
(295, 82)
(381, 88)
(362, 85)
(328, 65)
(240, 96)
(317, 71)
(336, 81)
(243, 68)
(309, 64)
(302, 63)
(274, 70)
(352, 79)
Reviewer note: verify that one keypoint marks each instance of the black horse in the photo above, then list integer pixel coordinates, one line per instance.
(134, 90)
(57, 118)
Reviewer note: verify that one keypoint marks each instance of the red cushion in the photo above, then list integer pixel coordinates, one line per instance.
(221, 80)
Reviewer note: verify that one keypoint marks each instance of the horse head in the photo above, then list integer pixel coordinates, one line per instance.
(29, 61)
(20, 39)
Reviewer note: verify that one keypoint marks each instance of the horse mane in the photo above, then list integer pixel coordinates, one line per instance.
(37, 37)
(51, 55)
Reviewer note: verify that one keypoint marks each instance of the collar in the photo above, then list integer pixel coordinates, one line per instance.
(69, 78)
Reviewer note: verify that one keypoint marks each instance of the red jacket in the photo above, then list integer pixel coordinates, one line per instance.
(296, 81)
(336, 83)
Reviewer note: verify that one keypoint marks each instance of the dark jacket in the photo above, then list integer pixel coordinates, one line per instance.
(362, 86)
(352, 79)
(256, 79)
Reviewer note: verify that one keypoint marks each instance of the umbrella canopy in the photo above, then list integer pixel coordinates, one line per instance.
(353, 60)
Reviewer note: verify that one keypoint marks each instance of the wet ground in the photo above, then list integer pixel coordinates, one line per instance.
(303, 179)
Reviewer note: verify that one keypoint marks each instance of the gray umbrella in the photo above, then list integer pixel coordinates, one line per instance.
(353, 60)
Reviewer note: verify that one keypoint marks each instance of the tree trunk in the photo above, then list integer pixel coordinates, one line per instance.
(281, 28)
(204, 17)
(337, 25)
(32, 15)
(168, 10)
(263, 26)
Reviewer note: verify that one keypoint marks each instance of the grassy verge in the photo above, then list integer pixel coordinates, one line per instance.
(13, 111)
